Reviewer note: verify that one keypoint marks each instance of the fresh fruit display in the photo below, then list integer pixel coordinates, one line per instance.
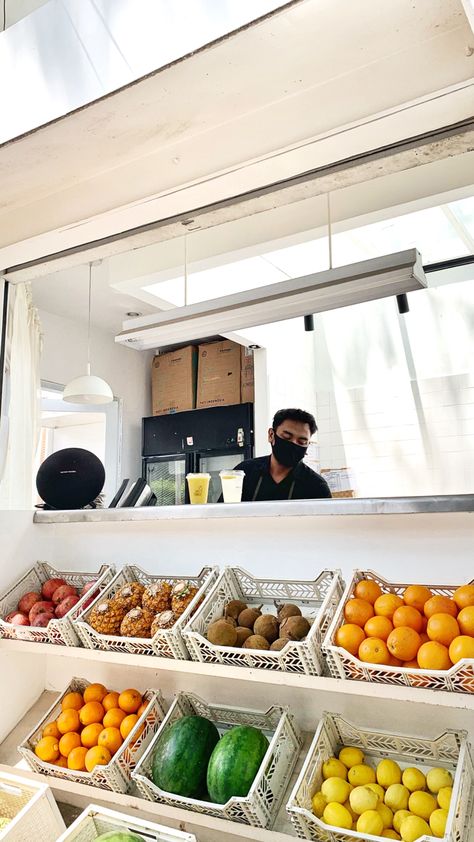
(247, 627)
(181, 756)
(4, 821)
(234, 763)
(119, 836)
(55, 599)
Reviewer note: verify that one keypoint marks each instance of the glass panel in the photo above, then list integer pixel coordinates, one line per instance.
(167, 481)
(213, 465)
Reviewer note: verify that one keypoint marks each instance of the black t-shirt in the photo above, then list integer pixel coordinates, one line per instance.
(302, 483)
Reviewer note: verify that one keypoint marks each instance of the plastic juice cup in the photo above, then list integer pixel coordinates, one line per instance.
(198, 485)
(232, 482)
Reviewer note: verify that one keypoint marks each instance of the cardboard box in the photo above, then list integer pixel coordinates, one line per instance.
(218, 374)
(340, 481)
(173, 381)
(247, 376)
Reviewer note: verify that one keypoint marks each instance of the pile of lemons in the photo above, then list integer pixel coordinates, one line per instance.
(386, 801)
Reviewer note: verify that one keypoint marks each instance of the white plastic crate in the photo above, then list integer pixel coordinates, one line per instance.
(167, 643)
(459, 678)
(260, 807)
(318, 601)
(115, 776)
(60, 631)
(31, 808)
(97, 820)
(450, 751)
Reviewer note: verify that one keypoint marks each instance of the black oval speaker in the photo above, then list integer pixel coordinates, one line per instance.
(70, 478)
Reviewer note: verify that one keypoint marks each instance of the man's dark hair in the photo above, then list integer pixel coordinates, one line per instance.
(295, 415)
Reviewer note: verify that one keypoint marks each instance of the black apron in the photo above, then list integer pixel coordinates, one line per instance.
(259, 483)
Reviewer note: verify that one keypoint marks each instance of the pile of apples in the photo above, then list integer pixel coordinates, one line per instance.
(55, 600)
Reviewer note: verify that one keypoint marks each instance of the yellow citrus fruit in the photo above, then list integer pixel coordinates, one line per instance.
(95, 693)
(413, 779)
(437, 779)
(464, 596)
(335, 814)
(370, 822)
(68, 721)
(130, 701)
(113, 718)
(347, 805)
(398, 817)
(97, 756)
(461, 647)
(47, 749)
(388, 772)
(362, 799)
(335, 789)
(390, 834)
(318, 803)
(91, 712)
(334, 768)
(68, 742)
(413, 827)
(51, 730)
(72, 701)
(90, 734)
(110, 701)
(76, 759)
(110, 738)
(396, 797)
(361, 774)
(422, 804)
(444, 797)
(351, 756)
(386, 814)
(438, 821)
(379, 790)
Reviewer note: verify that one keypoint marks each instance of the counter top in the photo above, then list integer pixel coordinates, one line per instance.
(284, 508)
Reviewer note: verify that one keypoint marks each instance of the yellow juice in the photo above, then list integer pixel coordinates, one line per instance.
(198, 485)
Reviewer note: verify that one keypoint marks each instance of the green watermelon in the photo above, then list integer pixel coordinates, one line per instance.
(181, 756)
(234, 763)
(119, 836)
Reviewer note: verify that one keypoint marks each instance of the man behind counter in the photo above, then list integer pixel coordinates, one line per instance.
(283, 475)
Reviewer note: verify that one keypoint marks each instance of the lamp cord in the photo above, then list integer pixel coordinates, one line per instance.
(89, 323)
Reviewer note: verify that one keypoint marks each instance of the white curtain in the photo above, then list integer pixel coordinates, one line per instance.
(22, 395)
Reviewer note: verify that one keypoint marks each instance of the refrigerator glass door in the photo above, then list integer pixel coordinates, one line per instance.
(212, 465)
(167, 479)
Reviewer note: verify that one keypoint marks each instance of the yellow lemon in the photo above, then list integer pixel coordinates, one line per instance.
(388, 773)
(412, 828)
(444, 797)
(318, 803)
(438, 821)
(386, 813)
(379, 790)
(422, 804)
(398, 818)
(335, 789)
(413, 779)
(351, 756)
(390, 834)
(337, 816)
(397, 797)
(370, 822)
(361, 774)
(333, 768)
(347, 805)
(436, 779)
(362, 798)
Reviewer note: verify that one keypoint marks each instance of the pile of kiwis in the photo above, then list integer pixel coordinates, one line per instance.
(248, 628)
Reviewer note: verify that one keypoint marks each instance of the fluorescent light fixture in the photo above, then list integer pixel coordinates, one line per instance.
(368, 280)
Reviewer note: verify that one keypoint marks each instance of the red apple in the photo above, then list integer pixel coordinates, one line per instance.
(67, 603)
(87, 587)
(40, 608)
(27, 601)
(42, 620)
(50, 586)
(17, 619)
(62, 592)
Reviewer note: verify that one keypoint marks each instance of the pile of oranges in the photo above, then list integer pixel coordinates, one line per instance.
(90, 728)
(417, 630)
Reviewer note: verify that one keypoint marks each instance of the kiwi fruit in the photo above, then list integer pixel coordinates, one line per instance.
(295, 628)
(222, 633)
(256, 641)
(267, 626)
(234, 608)
(242, 635)
(248, 616)
(278, 644)
(231, 621)
(288, 610)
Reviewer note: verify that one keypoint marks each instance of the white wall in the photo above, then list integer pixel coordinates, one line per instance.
(127, 372)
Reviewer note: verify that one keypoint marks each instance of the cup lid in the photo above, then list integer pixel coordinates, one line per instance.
(199, 476)
(231, 473)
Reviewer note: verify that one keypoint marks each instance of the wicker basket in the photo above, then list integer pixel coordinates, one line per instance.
(97, 820)
(31, 808)
(167, 643)
(342, 664)
(450, 751)
(61, 631)
(260, 807)
(318, 601)
(116, 775)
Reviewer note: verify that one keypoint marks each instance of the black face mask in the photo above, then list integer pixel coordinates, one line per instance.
(287, 453)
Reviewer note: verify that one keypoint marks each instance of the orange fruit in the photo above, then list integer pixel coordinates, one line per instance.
(416, 596)
(464, 596)
(387, 604)
(47, 749)
(97, 756)
(466, 620)
(393, 662)
(349, 636)
(68, 720)
(128, 723)
(51, 730)
(68, 742)
(413, 664)
(440, 605)
(403, 642)
(91, 712)
(90, 734)
(110, 701)
(113, 718)
(77, 759)
(424, 637)
(61, 761)
(408, 616)
(142, 708)
(110, 738)
(433, 656)
(368, 590)
(443, 628)
(358, 611)
(373, 651)
(461, 647)
(95, 693)
(72, 701)
(378, 627)
(130, 701)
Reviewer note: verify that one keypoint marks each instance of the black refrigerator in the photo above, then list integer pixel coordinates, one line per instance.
(201, 440)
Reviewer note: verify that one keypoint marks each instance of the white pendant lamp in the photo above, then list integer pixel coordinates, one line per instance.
(88, 389)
